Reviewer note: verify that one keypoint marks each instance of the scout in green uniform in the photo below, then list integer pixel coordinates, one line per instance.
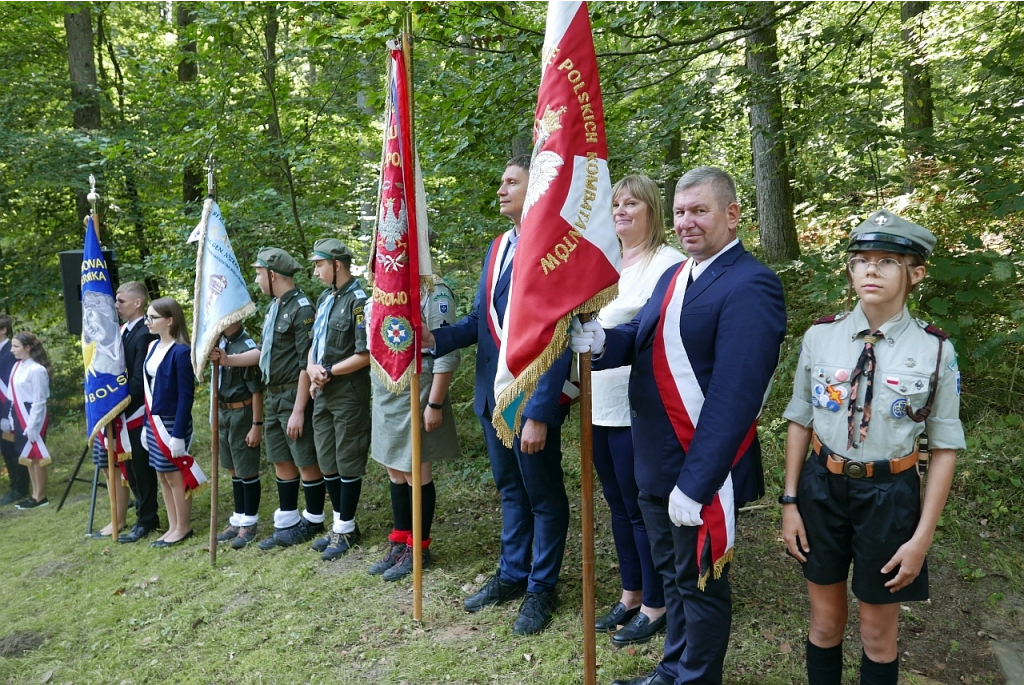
(338, 367)
(287, 411)
(240, 422)
(868, 384)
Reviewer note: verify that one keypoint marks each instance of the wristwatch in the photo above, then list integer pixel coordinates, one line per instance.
(787, 499)
(327, 370)
(434, 405)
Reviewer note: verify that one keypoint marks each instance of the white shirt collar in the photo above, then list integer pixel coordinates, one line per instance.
(131, 324)
(698, 269)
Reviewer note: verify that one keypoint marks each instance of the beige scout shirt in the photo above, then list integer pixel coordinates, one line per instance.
(905, 362)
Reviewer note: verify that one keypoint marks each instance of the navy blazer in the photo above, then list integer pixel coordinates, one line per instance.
(174, 388)
(732, 325)
(543, 406)
(7, 362)
(136, 345)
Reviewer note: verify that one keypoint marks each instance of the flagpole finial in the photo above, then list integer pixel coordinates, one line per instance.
(210, 184)
(93, 197)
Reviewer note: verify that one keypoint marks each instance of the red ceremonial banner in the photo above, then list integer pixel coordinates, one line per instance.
(394, 258)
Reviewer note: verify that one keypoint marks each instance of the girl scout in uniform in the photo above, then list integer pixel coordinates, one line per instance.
(868, 384)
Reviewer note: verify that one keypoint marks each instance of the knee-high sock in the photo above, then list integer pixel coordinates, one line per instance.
(350, 491)
(252, 492)
(875, 673)
(824, 664)
(288, 494)
(333, 484)
(428, 501)
(238, 489)
(401, 507)
(315, 493)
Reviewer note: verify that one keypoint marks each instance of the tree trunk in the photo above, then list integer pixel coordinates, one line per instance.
(776, 226)
(188, 69)
(85, 103)
(918, 105)
(673, 158)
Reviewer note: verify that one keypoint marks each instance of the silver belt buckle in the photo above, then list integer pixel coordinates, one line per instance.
(854, 469)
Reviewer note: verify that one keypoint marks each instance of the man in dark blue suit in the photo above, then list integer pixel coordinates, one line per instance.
(534, 506)
(18, 473)
(697, 385)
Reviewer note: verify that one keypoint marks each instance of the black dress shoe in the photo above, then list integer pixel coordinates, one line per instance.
(164, 544)
(618, 615)
(535, 613)
(137, 532)
(496, 591)
(651, 678)
(641, 629)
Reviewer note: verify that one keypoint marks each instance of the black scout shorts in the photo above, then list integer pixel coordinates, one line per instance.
(863, 520)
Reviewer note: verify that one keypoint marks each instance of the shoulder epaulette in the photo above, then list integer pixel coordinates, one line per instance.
(937, 332)
(831, 318)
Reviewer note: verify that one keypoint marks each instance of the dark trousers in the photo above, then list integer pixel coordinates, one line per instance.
(613, 460)
(698, 620)
(142, 481)
(19, 474)
(534, 509)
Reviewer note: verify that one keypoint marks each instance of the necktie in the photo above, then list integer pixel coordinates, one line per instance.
(865, 367)
(267, 341)
(323, 313)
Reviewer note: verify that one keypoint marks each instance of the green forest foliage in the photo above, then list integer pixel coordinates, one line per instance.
(288, 99)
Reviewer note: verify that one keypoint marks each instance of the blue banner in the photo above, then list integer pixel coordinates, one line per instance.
(221, 295)
(106, 379)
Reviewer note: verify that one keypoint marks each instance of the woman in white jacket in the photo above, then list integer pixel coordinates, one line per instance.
(30, 388)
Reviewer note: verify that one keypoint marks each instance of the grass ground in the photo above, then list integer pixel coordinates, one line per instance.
(79, 611)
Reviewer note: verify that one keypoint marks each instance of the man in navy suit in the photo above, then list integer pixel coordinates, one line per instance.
(698, 382)
(130, 302)
(18, 473)
(534, 506)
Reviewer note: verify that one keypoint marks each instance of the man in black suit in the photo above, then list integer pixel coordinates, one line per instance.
(18, 473)
(131, 301)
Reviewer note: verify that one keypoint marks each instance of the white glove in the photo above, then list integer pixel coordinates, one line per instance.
(682, 510)
(5, 425)
(177, 447)
(586, 337)
(32, 435)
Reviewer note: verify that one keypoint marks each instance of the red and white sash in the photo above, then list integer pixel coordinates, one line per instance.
(683, 400)
(33, 450)
(191, 473)
(571, 387)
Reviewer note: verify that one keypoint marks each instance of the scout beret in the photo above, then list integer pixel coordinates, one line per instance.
(277, 260)
(885, 231)
(330, 248)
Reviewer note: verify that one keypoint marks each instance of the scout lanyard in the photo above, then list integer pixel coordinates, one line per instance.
(683, 400)
(34, 449)
(192, 475)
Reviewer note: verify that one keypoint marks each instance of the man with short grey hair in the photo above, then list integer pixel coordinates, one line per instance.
(703, 350)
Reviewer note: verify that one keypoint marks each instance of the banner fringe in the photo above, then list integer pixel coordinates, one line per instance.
(394, 387)
(108, 417)
(526, 382)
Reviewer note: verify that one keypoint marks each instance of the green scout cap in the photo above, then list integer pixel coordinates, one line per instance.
(330, 248)
(277, 260)
(885, 231)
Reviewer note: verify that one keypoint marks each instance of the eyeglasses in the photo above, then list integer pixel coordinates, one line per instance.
(150, 318)
(886, 267)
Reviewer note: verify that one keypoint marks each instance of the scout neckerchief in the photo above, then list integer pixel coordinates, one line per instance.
(267, 340)
(191, 474)
(865, 367)
(683, 400)
(323, 315)
(33, 451)
(498, 247)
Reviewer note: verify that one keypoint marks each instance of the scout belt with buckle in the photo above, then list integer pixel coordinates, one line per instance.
(284, 387)
(841, 466)
(235, 405)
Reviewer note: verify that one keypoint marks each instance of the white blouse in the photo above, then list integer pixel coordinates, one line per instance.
(636, 283)
(31, 384)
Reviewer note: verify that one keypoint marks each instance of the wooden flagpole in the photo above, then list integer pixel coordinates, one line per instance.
(215, 418)
(414, 378)
(587, 518)
(112, 481)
